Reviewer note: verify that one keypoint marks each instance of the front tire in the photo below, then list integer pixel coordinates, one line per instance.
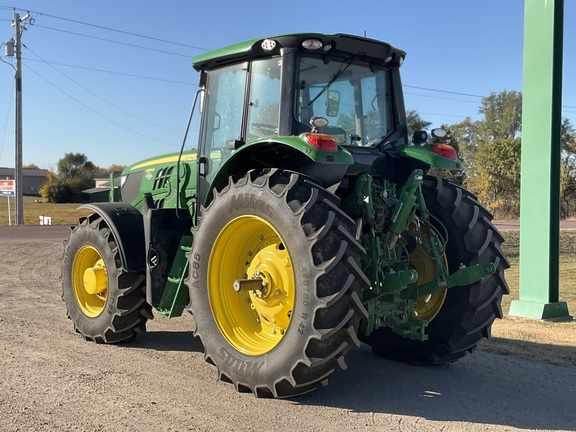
(288, 333)
(460, 316)
(106, 303)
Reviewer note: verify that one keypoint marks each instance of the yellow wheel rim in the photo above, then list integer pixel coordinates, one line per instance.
(90, 281)
(429, 305)
(252, 321)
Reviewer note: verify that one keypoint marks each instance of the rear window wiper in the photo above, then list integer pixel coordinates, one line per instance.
(332, 81)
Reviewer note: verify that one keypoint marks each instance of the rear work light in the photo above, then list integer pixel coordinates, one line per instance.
(445, 150)
(322, 142)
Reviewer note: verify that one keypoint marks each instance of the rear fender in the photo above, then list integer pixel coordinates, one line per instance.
(126, 224)
(426, 154)
(289, 153)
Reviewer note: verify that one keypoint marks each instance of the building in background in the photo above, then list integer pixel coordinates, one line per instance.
(32, 178)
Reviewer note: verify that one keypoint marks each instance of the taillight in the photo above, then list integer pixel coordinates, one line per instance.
(445, 150)
(322, 142)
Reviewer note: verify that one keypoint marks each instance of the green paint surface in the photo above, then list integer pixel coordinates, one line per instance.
(540, 172)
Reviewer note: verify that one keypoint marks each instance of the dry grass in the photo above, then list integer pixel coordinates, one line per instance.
(544, 340)
(567, 267)
(61, 214)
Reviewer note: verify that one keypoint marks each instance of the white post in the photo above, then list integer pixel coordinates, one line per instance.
(9, 212)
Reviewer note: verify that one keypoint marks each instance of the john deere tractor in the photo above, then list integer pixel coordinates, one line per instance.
(304, 224)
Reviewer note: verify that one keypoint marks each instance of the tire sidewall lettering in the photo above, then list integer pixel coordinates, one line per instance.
(255, 201)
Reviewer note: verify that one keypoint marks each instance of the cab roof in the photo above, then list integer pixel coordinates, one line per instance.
(339, 44)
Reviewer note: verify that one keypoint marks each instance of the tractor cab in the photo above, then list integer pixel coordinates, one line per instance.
(327, 92)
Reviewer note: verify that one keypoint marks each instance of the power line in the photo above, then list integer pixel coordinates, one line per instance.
(188, 46)
(116, 30)
(439, 97)
(94, 111)
(7, 118)
(456, 93)
(448, 115)
(99, 97)
(110, 72)
(444, 91)
(177, 43)
(113, 41)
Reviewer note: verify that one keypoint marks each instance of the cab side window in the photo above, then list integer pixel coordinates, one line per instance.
(225, 104)
(264, 101)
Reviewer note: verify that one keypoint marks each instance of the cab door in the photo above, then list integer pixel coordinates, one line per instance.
(222, 122)
(242, 104)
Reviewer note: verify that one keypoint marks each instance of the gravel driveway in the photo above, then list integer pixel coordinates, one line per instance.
(53, 380)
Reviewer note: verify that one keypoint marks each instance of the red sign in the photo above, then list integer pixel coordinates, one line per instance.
(8, 188)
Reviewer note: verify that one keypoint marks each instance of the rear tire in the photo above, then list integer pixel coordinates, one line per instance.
(467, 313)
(106, 303)
(289, 338)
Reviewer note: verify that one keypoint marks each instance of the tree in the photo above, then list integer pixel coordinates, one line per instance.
(490, 149)
(105, 172)
(498, 175)
(75, 173)
(115, 168)
(502, 116)
(415, 122)
(567, 169)
(465, 134)
(55, 190)
(76, 166)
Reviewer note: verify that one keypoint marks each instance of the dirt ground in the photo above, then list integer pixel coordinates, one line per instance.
(53, 380)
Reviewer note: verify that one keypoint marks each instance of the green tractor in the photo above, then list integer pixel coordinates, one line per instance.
(304, 223)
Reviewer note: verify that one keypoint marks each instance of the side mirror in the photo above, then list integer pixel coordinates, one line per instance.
(333, 103)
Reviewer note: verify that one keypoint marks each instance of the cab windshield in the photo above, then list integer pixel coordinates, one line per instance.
(355, 98)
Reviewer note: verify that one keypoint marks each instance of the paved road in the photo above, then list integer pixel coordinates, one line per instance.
(34, 232)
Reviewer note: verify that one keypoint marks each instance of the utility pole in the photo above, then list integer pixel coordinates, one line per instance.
(18, 29)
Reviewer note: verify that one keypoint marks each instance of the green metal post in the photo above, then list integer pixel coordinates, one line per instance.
(540, 170)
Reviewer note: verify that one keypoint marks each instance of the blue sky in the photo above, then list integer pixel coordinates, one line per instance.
(119, 98)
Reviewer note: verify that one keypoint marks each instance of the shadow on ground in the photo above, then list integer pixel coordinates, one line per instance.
(167, 341)
(564, 355)
(484, 388)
